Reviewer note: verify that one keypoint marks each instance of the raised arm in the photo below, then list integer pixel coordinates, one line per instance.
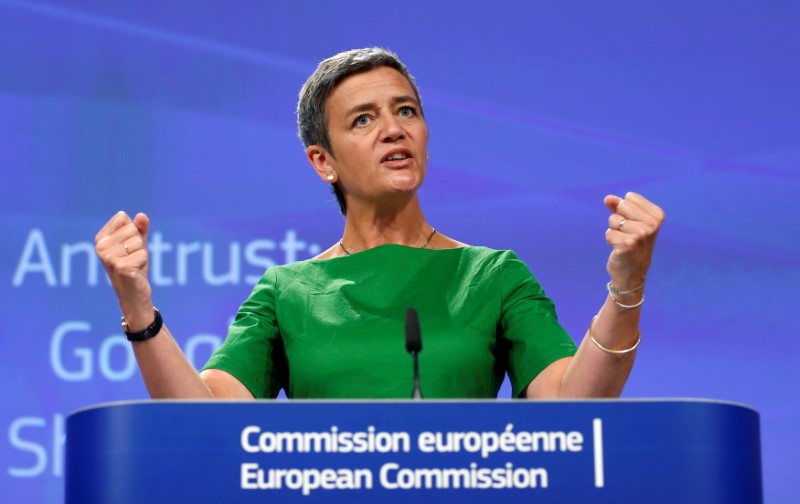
(122, 247)
(605, 357)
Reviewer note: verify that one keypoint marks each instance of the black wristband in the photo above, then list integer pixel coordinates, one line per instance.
(148, 333)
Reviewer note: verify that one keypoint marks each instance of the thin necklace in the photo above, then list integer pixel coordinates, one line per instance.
(424, 245)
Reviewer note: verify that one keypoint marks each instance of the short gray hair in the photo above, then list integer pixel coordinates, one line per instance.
(312, 121)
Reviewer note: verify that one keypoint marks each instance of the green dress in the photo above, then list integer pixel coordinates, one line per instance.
(334, 328)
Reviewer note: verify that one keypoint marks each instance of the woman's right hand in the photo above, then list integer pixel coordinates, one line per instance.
(122, 247)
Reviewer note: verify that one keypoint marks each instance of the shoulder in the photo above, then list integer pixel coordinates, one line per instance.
(491, 257)
(482, 265)
(333, 251)
(503, 268)
(441, 241)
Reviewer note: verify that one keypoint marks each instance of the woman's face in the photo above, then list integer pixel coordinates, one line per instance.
(378, 136)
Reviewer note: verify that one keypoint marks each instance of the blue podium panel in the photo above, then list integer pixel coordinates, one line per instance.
(670, 451)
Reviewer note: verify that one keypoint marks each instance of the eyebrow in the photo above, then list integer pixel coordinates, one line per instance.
(364, 107)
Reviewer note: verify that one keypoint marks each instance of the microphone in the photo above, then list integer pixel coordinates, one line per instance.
(414, 347)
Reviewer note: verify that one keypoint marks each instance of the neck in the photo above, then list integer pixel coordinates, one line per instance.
(367, 226)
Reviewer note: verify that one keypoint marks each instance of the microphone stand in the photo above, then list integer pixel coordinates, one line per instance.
(416, 393)
(414, 347)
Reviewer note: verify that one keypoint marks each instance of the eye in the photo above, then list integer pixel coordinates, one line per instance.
(361, 120)
(407, 111)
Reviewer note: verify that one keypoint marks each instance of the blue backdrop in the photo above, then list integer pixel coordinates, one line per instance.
(536, 110)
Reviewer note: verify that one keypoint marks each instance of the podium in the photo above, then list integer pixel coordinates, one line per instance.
(639, 451)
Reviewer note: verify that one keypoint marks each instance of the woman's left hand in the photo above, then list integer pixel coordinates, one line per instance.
(632, 229)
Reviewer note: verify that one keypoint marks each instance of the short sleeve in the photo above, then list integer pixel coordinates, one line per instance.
(529, 326)
(253, 351)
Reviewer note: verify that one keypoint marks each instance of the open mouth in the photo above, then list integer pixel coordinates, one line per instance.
(396, 155)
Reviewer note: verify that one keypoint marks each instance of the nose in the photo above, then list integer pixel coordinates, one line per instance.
(392, 129)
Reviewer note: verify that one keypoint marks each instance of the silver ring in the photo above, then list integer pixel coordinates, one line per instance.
(621, 223)
(125, 246)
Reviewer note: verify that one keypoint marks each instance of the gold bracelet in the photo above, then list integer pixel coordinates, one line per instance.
(608, 350)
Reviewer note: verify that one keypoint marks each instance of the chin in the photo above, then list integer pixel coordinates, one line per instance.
(409, 186)
(406, 182)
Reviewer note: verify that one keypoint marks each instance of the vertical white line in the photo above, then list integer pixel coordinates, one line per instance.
(599, 473)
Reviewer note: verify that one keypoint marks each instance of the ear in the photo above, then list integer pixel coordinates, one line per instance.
(322, 161)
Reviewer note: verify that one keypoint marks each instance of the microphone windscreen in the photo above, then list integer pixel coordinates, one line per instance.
(413, 336)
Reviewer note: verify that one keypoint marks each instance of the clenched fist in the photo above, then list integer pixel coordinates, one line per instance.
(122, 247)
(632, 229)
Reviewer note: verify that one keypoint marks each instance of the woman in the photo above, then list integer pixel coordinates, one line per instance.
(332, 326)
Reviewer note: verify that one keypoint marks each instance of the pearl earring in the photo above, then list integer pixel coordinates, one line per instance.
(330, 177)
